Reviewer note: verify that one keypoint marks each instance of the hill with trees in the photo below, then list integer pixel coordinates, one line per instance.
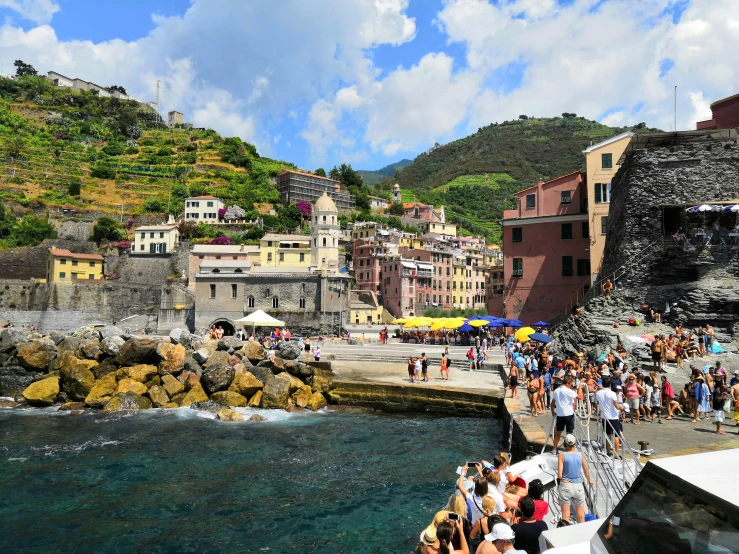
(379, 175)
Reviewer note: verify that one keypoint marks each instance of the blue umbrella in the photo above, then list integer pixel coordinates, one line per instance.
(465, 328)
(540, 324)
(541, 337)
(496, 324)
(515, 323)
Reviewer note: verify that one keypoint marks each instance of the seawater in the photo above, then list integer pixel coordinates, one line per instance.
(180, 481)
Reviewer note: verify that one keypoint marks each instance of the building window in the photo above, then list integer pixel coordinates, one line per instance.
(302, 302)
(151, 235)
(92, 264)
(530, 201)
(142, 247)
(517, 234)
(324, 219)
(602, 193)
(324, 241)
(143, 236)
(209, 204)
(250, 301)
(585, 230)
(62, 275)
(275, 302)
(315, 242)
(302, 256)
(269, 256)
(583, 267)
(282, 256)
(212, 291)
(567, 231)
(517, 267)
(161, 235)
(234, 291)
(63, 262)
(603, 224)
(606, 161)
(75, 263)
(567, 266)
(269, 243)
(90, 276)
(565, 197)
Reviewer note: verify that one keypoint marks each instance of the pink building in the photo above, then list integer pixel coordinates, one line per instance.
(402, 280)
(368, 255)
(426, 212)
(438, 293)
(546, 249)
(725, 114)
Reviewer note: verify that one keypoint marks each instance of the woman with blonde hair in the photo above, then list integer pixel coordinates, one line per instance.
(480, 528)
(458, 504)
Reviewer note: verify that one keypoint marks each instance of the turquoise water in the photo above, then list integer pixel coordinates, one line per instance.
(177, 481)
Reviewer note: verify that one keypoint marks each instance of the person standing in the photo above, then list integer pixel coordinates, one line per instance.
(417, 370)
(445, 367)
(720, 396)
(563, 400)
(633, 392)
(306, 349)
(656, 403)
(571, 491)
(610, 407)
(471, 358)
(513, 381)
(528, 529)
(411, 368)
(735, 401)
(424, 367)
(702, 397)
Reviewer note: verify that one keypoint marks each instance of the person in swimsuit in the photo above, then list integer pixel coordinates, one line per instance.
(306, 349)
(514, 381)
(532, 386)
(445, 367)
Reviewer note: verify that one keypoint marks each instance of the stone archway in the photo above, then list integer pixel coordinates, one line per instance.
(228, 326)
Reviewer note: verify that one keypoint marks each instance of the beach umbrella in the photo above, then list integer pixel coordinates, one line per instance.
(515, 323)
(734, 208)
(398, 321)
(438, 325)
(496, 323)
(541, 337)
(522, 335)
(477, 322)
(455, 323)
(540, 324)
(464, 328)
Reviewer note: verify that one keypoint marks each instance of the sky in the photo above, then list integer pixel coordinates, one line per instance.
(369, 82)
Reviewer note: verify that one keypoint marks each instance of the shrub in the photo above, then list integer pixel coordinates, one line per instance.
(75, 188)
(106, 228)
(306, 208)
(102, 172)
(164, 152)
(131, 150)
(153, 205)
(223, 240)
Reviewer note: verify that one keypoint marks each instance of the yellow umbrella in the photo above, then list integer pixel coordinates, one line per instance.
(479, 323)
(522, 335)
(418, 322)
(454, 323)
(439, 324)
(398, 321)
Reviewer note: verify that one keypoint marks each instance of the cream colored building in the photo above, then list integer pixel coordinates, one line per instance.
(63, 266)
(448, 229)
(202, 209)
(285, 250)
(205, 252)
(325, 232)
(155, 239)
(601, 163)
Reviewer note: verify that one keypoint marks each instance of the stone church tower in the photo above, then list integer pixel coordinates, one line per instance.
(397, 197)
(325, 235)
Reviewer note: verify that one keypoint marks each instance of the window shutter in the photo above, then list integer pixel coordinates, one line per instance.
(598, 196)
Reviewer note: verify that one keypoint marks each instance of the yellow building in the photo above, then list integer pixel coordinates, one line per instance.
(285, 250)
(365, 308)
(448, 229)
(601, 162)
(63, 266)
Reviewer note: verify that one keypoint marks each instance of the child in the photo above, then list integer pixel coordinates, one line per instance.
(480, 359)
(656, 403)
(317, 353)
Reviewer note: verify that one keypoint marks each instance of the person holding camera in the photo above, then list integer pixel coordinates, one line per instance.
(480, 491)
(439, 540)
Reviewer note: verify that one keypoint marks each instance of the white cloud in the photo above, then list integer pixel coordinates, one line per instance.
(231, 124)
(39, 11)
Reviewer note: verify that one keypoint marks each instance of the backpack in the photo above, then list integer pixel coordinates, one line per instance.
(448, 363)
(632, 322)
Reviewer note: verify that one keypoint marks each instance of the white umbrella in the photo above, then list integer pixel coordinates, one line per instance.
(734, 208)
(260, 318)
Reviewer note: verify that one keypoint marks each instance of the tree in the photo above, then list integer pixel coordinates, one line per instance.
(524, 117)
(306, 208)
(106, 228)
(396, 208)
(75, 188)
(320, 171)
(17, 147)
(23, 69)
(119, 88)
(31, 230)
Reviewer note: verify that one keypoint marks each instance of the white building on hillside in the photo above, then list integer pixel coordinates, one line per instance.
(155, 239)
(202, 208)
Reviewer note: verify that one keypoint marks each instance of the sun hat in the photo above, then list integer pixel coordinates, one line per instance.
(428, 535)
(619, 387)
(500, 532)
(558, 365)
(570, 440)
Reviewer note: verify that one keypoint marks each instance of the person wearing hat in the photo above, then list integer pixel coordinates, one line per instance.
(702, 397)
(570, 464)
(438, 540)
(502, 537)
(734, 379)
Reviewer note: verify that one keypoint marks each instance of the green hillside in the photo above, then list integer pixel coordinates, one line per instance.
(379, 175)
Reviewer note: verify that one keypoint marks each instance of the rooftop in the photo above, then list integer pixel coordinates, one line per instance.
(656, 140)
(722, 100)
(60, 252)
(165, 227)
(276, 237)
(223, 249)
(308, 173)
(202, 198)
(606, 142)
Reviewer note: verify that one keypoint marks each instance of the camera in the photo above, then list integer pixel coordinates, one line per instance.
(452, 516)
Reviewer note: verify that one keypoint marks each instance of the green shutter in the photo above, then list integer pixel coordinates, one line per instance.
(151, 248)
(598, 197)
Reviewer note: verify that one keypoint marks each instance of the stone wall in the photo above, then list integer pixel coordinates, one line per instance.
(30, 262)
(72, 229)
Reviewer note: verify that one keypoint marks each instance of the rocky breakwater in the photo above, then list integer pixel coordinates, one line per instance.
(108, 370)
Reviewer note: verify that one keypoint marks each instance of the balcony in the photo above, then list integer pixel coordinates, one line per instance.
(517, 273)
(425, 273)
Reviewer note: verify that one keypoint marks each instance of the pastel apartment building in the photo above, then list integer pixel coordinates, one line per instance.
(364, 307)
(210, 253)
(285, 250)
(601, 165)
(62, 81)
(63, 266)
(546, 248)
(175, 118)
(724, 114)
(155, 239)
(202, 209)
(367, 261)
(402, 280)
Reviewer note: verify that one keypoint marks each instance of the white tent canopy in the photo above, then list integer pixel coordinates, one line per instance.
(260, 318)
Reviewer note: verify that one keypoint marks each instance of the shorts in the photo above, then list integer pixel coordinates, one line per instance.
(633, 403)
(613, 425)
(571, 493)
(566, 422)
(736, 417)
(514, 382)
(709, 340)
(657, 410)
(656, 356)
(718, 416)
(307, 348)
(424, 370)
(591, 396)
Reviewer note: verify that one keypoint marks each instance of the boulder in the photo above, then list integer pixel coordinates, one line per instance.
(178, 398)
(246, 384)
(192, 366)
(217, 358)
(207, 406)
(255, 400)
(14, 379)
(158, 396)
(229, 342)
(42, 376)
(155, 381)
(196, 394)
(200, 355)
(140, 372)
(62, 397)
(170, 405)
(92, 349)
(104, 368)
(253, 351)
(102, 391)
(278, 366)
(239, 369)
(217, 378)
(181, 336)
(66, 360)
(299, 369)
(42, 393)
(229, 398)
(261, 373)
(320, 381)
(73, 406)
(9, 403)
(78, 380)
(301, 396)
(234, 361)
(112, 345)
(256, 418)
(9, 338)
(36, 355)
(57, 337)
(293, 382)
(129, 385)
(127, 401)
(188, 379)
(110, 331)
(229, 415)
(70, 344)
(137, 351)
(172, 358)
(172, 385)
(289, 350)
(86, 333)
(316, 402)
(276, 393)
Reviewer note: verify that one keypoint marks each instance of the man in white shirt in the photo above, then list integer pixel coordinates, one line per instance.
(609, 407)
(563, 400)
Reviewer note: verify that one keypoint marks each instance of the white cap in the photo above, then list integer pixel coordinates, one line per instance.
(500, 532)
(570, 440)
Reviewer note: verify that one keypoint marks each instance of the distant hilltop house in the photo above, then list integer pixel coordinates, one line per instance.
(203, 209)
(62, 81)
(296, 186)
(63, 266)
(378, 204)
(175, 118)
(155, 239)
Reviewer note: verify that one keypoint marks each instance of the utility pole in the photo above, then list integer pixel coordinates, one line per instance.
(674, 113)
(158, 81)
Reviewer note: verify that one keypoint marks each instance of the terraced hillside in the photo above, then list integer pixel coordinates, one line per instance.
(73, 149)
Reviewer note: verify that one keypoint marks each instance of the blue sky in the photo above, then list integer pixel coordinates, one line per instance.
(369, 82)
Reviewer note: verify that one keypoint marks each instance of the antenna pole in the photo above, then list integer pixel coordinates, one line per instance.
(158, 81)
(674, 115)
